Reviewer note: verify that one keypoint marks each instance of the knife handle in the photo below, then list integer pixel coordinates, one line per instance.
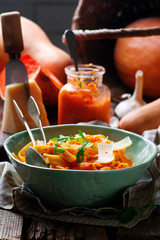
(12, 33)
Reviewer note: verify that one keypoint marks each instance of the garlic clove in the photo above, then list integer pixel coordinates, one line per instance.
(133, 101)
(114, 121)
(125, 96)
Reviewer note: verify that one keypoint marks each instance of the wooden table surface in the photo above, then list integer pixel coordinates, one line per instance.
(16, 226)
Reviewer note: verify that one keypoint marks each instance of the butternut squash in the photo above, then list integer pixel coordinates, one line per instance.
(38, 45)
(143, 118)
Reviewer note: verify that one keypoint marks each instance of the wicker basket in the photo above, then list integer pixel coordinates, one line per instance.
(106, 20)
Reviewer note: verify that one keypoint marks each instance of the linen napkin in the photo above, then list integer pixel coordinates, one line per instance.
(139, 203)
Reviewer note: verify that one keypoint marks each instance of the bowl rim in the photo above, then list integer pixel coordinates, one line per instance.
(84, 171)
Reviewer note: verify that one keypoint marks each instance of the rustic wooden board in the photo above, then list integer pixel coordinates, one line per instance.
(11, 225)
(48, 229)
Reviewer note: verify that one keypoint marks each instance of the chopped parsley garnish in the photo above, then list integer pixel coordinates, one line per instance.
(81, 138)
(62, 138)
(57, 150)
(80, 152)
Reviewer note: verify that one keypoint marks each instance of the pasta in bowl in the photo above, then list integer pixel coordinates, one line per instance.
(82, 152)
(88, 165)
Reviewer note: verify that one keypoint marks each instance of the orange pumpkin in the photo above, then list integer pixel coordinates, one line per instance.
(46, 80)
(132, 54)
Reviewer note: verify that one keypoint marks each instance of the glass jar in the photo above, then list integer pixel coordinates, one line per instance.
(84, 98)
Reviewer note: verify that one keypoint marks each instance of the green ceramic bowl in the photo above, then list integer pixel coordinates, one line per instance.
(67, 188)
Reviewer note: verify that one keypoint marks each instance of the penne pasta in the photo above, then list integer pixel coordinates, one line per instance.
(56, 160)
(82, 152)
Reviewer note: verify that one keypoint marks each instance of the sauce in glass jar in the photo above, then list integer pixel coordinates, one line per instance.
(84, 98)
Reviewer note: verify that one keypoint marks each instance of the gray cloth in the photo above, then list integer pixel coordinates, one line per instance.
(139, 208)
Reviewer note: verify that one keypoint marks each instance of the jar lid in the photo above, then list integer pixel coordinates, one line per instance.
(85, 70)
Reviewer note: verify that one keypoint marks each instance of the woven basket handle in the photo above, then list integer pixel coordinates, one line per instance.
(114, 33)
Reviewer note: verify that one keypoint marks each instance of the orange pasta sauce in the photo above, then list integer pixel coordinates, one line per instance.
(84, 98)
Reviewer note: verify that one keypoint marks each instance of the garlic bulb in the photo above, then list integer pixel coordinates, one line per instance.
(134, 101)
